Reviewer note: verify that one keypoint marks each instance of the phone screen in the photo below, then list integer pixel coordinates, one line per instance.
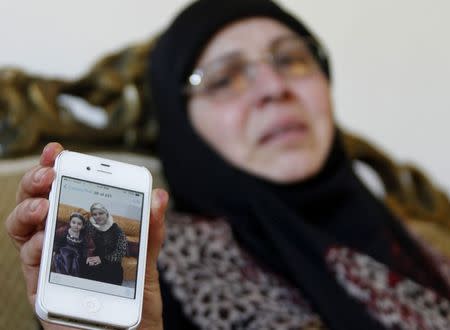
(96, 239)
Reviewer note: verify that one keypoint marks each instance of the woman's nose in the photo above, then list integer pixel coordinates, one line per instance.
(269, 84)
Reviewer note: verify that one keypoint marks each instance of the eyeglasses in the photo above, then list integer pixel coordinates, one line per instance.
(291, 57)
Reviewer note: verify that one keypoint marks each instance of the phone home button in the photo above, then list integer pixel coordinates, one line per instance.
(91, 304)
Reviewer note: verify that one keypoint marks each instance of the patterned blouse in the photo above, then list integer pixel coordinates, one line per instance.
(218, 286)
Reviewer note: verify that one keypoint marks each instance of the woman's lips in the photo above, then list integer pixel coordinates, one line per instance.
(285, 133)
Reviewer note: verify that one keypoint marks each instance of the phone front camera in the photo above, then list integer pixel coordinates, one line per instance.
(88, 168)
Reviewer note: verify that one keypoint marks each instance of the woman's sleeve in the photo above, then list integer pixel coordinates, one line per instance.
(120, 248)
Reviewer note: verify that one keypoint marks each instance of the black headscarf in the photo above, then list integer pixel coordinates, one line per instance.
(288, 228)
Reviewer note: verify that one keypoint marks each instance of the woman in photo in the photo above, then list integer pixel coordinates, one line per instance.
(105, 265)
(72, 247)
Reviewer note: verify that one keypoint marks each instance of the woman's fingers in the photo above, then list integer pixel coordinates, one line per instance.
(37, 181)
(93, 261)
(30, 254)
(49, 154)
(27, 218)
(152, 313)
(160, 199)
(31, 250)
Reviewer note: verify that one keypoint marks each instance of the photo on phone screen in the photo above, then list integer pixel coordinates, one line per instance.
(96, 239)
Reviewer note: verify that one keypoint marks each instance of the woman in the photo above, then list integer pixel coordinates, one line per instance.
(110, 247)
(256, 138)
(271, 227)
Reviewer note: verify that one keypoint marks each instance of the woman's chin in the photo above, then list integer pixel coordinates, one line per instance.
(290, 168)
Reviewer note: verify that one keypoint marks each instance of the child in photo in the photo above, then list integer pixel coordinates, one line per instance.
(72, 246)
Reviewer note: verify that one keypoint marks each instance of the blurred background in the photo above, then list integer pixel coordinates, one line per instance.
(390, 68)
(390, 59)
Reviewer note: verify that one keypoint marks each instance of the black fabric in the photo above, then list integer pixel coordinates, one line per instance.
(186, 37)
(288, 228)
(105, 244)
(173, 315)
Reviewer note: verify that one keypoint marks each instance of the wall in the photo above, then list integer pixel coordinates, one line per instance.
(391, 59)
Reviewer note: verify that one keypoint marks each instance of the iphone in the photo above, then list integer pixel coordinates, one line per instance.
(93, 258)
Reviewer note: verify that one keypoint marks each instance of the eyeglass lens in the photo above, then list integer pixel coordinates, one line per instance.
(231, 75)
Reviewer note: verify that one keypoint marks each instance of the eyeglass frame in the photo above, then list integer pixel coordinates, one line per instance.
(318, 54)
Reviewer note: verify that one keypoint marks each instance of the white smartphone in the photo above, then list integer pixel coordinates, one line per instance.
(93, 259)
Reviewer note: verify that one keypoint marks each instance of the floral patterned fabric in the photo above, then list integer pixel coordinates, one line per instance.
(395, 301)
(219, 286)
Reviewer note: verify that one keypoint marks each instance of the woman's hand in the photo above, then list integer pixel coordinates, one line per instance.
(25, 225)
(152, 310)
(93, 261)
